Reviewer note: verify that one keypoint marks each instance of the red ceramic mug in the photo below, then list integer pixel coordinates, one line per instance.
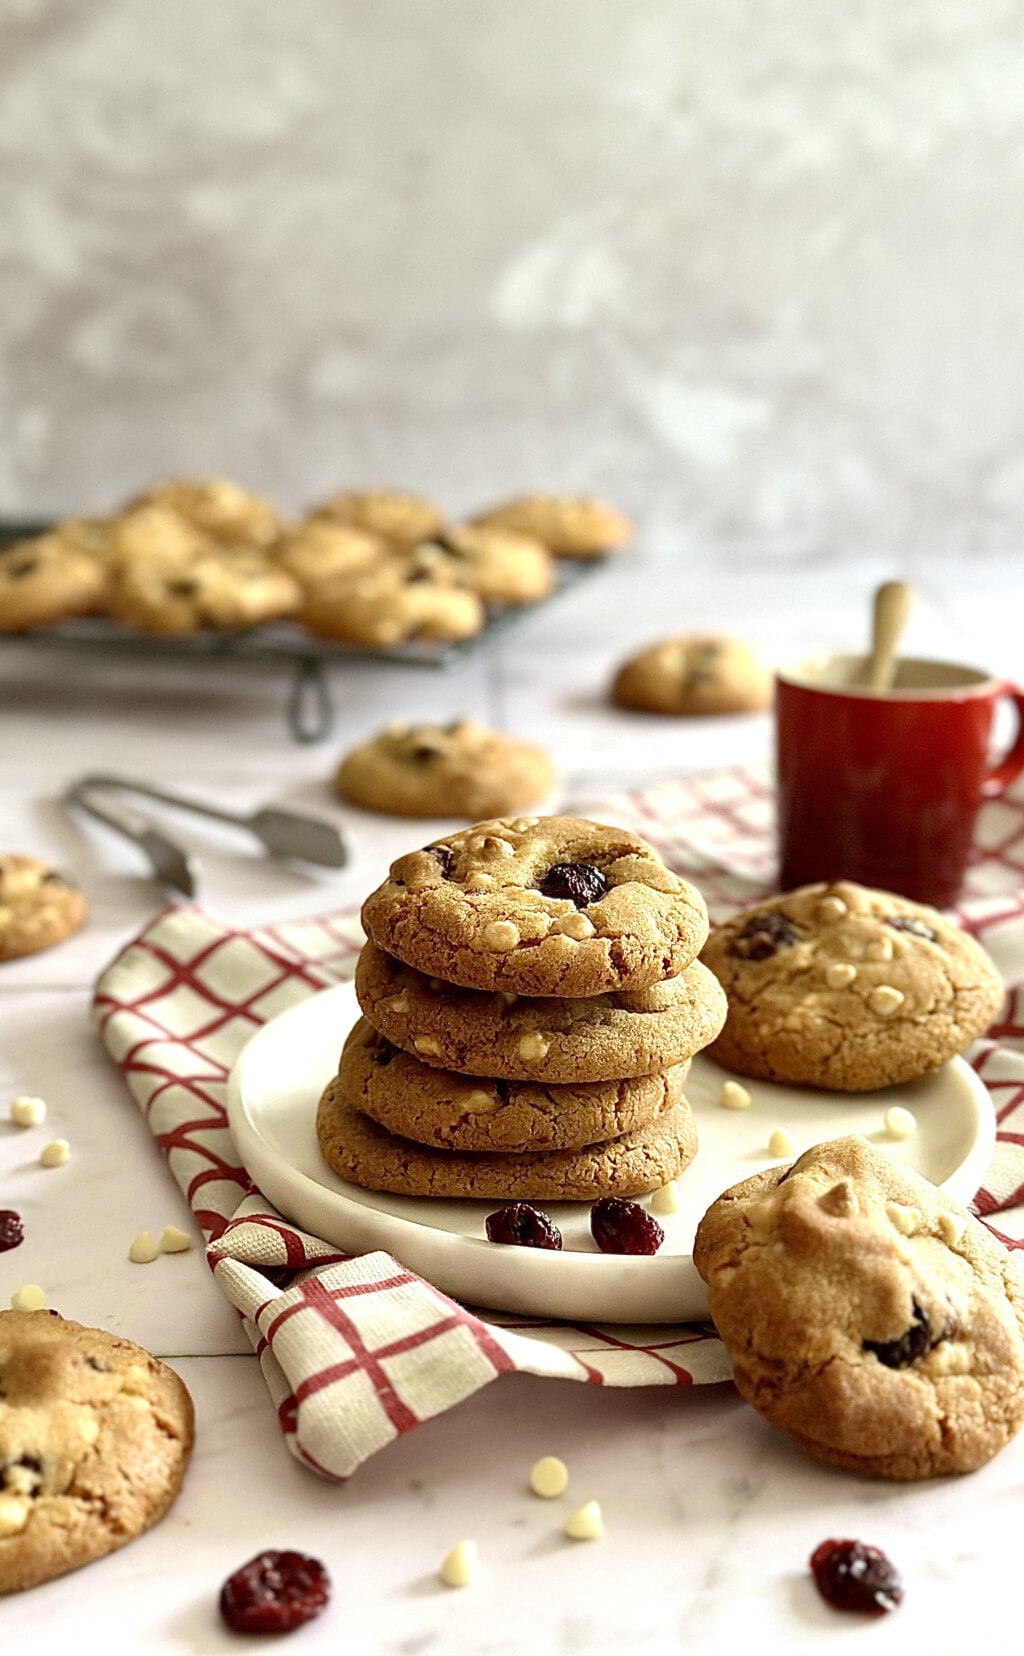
(884, 787)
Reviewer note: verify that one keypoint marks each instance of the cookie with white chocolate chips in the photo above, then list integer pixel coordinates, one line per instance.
(95, 1435)
(846, 988)
(538, 906)
(866, 1313)
(38, 907)
(461, 769)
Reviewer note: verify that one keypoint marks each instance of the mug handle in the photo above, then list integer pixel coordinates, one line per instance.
(1012, 762)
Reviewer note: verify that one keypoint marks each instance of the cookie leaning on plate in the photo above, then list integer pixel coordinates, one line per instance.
(847, 988)
(95, 1435)
(38, 907)
(460, 1112)
(538, 906)
(461, 769)
(866, 1313)
(551, 1038)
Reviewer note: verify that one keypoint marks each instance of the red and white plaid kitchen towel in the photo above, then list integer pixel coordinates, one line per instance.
(357, 1351)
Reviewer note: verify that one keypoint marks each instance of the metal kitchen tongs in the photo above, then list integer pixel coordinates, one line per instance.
(282, 833)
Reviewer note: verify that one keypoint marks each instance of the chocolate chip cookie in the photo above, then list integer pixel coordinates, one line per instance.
(457, 1112)
(365, 1154)
(399, 517)
(538, 906)
(499, 566)
(48, 579)
(320, 550)
(226, 591)
(570, 526)
(846, 988)
(390, 601)
(697, 675)
(550, 1039)
(95, 1435)
(457, 770)
(219, 510)
(866, 1313)
(38, 907)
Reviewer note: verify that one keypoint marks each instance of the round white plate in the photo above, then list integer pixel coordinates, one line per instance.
(277, 1081)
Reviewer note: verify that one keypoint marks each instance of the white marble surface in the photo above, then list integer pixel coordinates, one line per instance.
(710, 1515)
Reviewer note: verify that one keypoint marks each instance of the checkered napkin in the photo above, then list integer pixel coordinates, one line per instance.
(356, 1351)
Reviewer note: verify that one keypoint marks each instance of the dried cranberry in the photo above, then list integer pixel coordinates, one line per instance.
(622, 1227)
(852, 1576)
(764, 935)
(12, 1231)
(444, 857)
(581, 883)
(907, 923)
(908, 1346)
(522, 1226)
(274, 1593)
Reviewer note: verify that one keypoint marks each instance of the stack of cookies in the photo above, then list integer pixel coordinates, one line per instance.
(531, 1000)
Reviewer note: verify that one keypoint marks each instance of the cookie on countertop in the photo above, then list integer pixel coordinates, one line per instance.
(220, 510)
(499, 566)
(700, 674)
(552, 1038)
(46, 579)
(95, 1435)
(458, 1112)
(365, 1154)
(395, 515)
(846, 988)
(38, 907)
(538, 906)
(457, 770)
(866, 1313)
(389, 601)
(570, 526)
(227, 591)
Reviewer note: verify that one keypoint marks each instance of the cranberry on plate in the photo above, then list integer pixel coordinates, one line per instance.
(274, 1593)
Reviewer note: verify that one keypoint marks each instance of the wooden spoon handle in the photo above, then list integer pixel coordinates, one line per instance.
(893, 602)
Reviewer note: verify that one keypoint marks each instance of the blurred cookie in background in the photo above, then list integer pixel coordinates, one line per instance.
(389, 601)
(393, 514)
(46, 579)
(499, 566)
(182, 593)
(38, 906)
(570, 526)
(699, 674)
(218, 509)
(456, 770)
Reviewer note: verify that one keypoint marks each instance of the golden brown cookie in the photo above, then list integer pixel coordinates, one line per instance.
(866, 1313)
(365, 1154)
(499, 566)
(457, 770)
(38, 907)
(389, 602)
(568, 525)
(319, 551)
(48, 579)
(95, 1435)
(693, 676)
(226, 591)
(551, 1038)
(396, 516)
(458, 1112)
(221, 511)
(842, 987)
(538, 906)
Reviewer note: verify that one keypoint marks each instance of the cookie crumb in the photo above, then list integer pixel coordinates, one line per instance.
(667, 1199)
(27, 1111)
(174, 1240)
(781, 1143)
(30, 1297)
(55, 1154)
(144, 1249)
(549, 1477)
(733, 1096)
(900, 1123)
(586, 1523)
(461, 1566)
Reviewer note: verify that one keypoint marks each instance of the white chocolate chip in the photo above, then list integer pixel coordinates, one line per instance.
(501, 936)
(28, 1298)
(780, 1143)
(885, 1000)
(879, 948)
(88, 1428)
(427, 1043)
(899, 1123)
(667, 1199)
(55, 1154)
(585, 1524)
(840, 1200)
(951, 1229)
(398, 1003)
(533, 1045)
(13, 1514)
(478, 1099)
(507, 998)
(949, 1357)
(496, 849)
(26, 1111)
(733, 1096)
(174, 1240)
(762, 1215)
(144, 1249)
(577, 926)
(830, 908)
(905, 1219)
(549, 1477)
(840, 974)
(21, 1480)
(480, 882)
(461, 1566)
(521, 824)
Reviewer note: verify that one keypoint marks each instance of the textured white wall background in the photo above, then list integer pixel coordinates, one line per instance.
(750, 267)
